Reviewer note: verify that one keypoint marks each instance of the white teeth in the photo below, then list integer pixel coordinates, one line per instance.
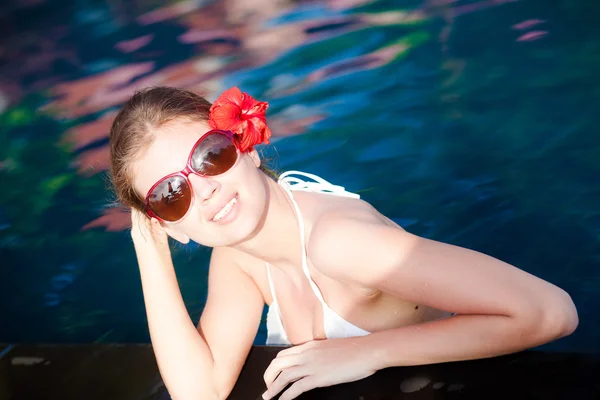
(225, 210)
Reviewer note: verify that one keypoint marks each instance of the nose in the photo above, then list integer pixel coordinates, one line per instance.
(204, 188)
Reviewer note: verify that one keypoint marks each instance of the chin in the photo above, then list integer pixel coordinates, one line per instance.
(243, 228)
(246, 229)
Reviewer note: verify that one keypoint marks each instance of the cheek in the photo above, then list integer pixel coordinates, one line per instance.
(254, 197)
(193, 226)
(255, 186)
(260, 200)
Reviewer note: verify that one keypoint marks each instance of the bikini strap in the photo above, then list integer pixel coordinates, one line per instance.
(319, 185)
(302, 241)
(271, 284)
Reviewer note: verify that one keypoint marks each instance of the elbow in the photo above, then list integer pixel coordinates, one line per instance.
(561, 316)
(195, 395)
(569, 319)
(188, 388)
(194, 392)
(554, 319)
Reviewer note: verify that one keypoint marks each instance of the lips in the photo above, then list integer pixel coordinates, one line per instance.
(224, 206)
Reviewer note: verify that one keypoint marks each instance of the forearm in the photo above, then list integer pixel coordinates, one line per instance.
(183, 357)
(463, 337)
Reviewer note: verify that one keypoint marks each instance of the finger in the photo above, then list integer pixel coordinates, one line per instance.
(156, 226)
(279, 364)
(286, 377)
(137, 217)
(134, 215)
(300, 386)
(138, 224)
(294, 349)
(135, 221)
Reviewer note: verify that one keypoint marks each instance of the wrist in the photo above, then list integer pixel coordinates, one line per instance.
(151, 248)
(374, 353)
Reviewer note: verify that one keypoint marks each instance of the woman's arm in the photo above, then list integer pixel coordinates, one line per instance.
(231, 317)
(193, 366)
(501, 308)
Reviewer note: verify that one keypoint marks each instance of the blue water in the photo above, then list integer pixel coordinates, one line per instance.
(469, 122)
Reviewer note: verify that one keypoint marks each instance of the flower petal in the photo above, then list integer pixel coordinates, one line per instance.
(226, 117)
(243, 115)
(232, 96)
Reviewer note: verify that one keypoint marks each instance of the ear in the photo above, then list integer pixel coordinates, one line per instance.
(253, 154)
(175, 234)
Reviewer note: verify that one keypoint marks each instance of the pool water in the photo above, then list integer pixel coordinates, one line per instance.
(468, 122)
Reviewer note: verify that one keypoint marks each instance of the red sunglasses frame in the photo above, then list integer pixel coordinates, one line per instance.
(189, 170)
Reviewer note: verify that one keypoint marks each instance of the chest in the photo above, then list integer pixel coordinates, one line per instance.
(309, 310)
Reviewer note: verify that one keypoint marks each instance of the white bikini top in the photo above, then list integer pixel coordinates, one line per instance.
(335, 326)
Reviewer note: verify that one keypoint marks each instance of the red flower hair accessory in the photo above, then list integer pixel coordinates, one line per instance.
(239, 113)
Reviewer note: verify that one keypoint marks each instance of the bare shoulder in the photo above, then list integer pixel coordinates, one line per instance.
(346, 231)
(225, 258)
(231, 262)
(348, 217)
(222, 255)
(232, 257)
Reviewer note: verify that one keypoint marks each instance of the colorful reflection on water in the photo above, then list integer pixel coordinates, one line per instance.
(471, 122)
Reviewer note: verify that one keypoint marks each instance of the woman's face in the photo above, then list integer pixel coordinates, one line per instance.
(244, 182)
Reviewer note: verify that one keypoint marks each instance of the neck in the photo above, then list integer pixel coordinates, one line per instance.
(277, 238)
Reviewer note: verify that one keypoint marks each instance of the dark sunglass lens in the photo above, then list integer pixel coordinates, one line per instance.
(214, 155)
(171, 198)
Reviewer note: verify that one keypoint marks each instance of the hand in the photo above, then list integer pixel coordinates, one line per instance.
(147, 231)
(315, 364)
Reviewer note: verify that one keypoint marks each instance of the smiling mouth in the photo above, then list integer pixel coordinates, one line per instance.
(226, 209)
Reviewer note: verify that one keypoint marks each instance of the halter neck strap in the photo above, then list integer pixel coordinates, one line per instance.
(319, 184)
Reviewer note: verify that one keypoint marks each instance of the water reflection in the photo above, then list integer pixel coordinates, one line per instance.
(467, 121)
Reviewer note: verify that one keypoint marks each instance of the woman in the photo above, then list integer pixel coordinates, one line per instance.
(327, 263)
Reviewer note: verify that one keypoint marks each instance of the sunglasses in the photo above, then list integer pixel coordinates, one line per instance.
(171, 198)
